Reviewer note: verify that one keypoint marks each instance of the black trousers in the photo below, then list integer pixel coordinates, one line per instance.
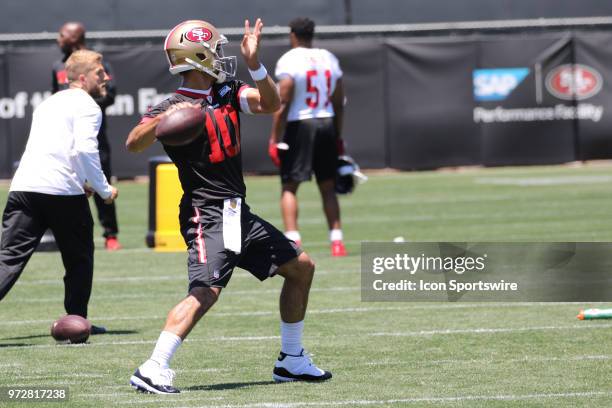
(26, 217)
(107, 213)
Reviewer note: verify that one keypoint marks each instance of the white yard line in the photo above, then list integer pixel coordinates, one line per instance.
(50, 320)
(123, 280)
(183, 398)
(489, 330)
(365, 309)
(138, 280)
(140, 342)
(145, 399)
(543, 181)
(422, 333)
(491, 360)
(164, 399)
(430, 400)
(49, 376)
(416, 199)
(228, 292)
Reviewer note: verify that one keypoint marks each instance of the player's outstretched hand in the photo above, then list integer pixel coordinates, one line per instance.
(250, 43)
(113, 196)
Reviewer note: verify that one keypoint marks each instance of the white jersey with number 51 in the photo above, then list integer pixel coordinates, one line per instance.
(315, 72)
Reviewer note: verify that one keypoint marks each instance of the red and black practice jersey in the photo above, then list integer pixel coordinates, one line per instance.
(209, 168)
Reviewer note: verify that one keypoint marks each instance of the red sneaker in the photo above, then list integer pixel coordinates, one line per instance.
(112, 244)
(338, 249)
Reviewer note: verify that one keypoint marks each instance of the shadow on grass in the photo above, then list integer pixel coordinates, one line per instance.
(227, 386)
(7, 345)
(33, 336)
(117, 332)
(38, 336)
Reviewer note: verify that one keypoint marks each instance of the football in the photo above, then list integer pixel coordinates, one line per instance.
(180, 127)
(72, 328)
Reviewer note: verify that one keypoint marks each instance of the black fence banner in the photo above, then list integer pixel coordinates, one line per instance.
(411, 103)
(522, 122)
(593, 83)
(429, 93)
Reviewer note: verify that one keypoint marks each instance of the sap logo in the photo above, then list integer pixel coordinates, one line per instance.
(575, 81)
(497, 83)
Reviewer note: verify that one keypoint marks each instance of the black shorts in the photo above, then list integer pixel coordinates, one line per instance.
(312, 147)
(264, 248)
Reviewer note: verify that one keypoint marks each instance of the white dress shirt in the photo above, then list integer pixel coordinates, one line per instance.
(62, 150)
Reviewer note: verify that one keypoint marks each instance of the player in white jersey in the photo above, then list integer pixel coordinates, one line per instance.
(312, 96)
(49, 188)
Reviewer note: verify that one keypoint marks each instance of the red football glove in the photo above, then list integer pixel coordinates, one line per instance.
(340, 146)
(273, 153)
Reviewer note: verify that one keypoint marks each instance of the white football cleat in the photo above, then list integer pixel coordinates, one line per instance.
(151, 378)
(298, 368)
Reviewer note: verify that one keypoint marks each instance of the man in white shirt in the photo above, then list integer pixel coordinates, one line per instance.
(58, 170)
(71, 37)
(312, 96)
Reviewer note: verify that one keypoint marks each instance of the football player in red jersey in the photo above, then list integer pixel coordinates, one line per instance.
(218, 226)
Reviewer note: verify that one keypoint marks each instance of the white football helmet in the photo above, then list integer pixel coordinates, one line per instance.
(196, 44)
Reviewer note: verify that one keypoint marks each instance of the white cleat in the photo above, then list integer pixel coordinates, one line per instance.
(151, 378)
(298, 368)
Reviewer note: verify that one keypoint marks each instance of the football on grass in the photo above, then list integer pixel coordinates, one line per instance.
(72, 328)
(180, 127)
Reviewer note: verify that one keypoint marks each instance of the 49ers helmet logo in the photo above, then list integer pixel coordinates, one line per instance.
(199, 34)
(574, 81)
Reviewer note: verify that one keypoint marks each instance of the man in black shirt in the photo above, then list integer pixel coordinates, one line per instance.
(218, 227)
(71, 37)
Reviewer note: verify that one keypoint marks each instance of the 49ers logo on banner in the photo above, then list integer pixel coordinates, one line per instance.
(574, 81)
(199, 34)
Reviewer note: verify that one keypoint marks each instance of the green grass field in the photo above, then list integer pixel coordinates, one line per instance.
(381, 354)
